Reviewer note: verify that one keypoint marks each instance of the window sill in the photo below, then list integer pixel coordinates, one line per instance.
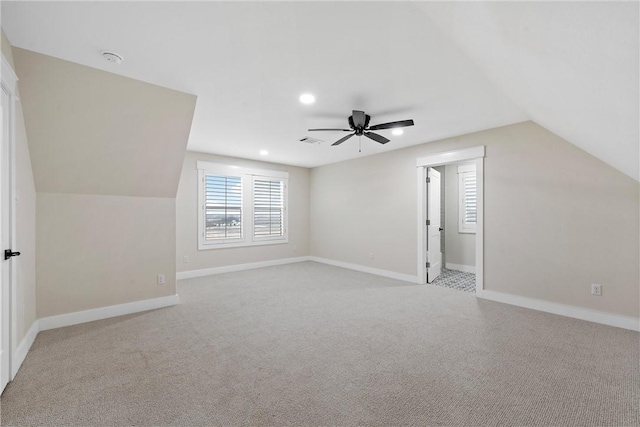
(202, 247)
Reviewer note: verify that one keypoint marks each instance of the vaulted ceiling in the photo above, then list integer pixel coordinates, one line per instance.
(452, 67)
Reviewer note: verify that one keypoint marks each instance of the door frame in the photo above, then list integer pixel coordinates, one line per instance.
(475, 154)
(9, 81)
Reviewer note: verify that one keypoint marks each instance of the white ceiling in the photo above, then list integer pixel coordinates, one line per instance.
(453, 68)
(572, 67)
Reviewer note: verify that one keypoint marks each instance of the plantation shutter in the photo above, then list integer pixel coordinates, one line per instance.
(469, 198)
(223, 208)
(268, 208)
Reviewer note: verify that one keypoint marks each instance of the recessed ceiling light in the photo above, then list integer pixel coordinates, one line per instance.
(397, 132)
(307, 98)
(264, 152)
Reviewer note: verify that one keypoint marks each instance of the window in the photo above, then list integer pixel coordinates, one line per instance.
(240, 206)
(268, 208)
(468, 208)
(223, 208)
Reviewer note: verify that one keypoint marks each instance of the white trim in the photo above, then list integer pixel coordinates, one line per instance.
(625, 322)
(480, 227)
(474, 155)
(85, 316)
(454, 156)
(365, 269)
(237, 267)
(249, 266)
(225, 169)
(461, 267)
(9, 76)
(23, 347)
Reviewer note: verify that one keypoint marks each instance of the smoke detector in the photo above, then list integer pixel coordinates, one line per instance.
(112, 57)
(309, 140)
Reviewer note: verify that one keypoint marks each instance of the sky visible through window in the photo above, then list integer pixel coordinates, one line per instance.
(223, 207)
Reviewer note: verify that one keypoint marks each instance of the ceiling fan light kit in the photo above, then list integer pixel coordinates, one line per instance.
(359, 124)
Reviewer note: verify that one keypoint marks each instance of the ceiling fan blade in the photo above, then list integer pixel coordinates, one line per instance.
(341, 140)
(399, 124)
(377, 138)
(343, 130)
(359, 117)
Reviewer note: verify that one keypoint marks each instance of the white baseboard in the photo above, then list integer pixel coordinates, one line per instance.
(78, 317)
(616, 320)
(23, 348)
(460, 267)
(237, 267)
(365, 269)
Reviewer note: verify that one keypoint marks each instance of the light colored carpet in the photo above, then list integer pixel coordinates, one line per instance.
(310, 344)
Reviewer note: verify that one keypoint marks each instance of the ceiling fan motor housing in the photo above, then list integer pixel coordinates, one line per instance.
(359, 129)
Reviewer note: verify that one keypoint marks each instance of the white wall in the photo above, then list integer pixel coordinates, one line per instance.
(107, 153)
(94, 132)
(25, 218)
(187, 218)
(556, 218)
(460, 247)
(95, 251)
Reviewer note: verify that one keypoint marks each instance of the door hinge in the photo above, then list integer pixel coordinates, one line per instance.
(428, 222)
(428, 180)
(428, 264)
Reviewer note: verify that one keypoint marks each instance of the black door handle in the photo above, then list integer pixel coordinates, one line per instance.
(8, 254)
(440, 229)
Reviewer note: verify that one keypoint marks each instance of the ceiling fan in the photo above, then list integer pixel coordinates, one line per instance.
(359, 124)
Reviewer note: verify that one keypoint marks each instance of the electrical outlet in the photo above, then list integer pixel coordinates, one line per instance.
(185, 259)
(160, 279)
(596, 290)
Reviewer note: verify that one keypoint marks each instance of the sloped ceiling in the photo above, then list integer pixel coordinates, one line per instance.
(93, 132)
(572, 67)
(454, 67)
(248, 62)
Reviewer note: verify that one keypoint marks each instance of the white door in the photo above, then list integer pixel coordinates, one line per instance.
(434, 254)
(5, 266)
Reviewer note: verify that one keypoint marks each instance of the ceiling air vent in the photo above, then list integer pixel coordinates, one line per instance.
(309, 140)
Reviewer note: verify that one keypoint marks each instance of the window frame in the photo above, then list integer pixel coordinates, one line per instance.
(255, 238)
(248, 176)
(463, 226)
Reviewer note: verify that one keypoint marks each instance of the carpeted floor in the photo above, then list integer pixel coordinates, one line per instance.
(455, 279)
(311, 344)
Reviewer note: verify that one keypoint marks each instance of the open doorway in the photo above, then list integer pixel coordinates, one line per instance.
(450, 205)
(456, 200)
